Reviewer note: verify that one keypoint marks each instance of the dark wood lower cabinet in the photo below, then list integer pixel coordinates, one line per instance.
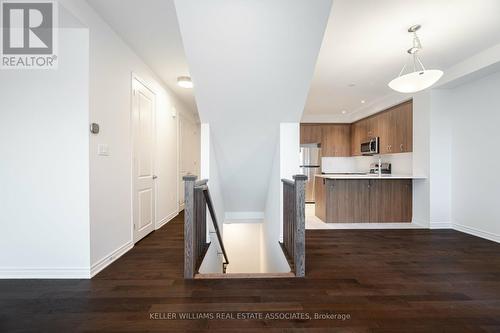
(364, 201)
(320, 198)
(391, 201)
(348, 201)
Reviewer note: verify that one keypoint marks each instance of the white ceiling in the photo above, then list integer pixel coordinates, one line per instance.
(252, 63)
(365, 44)
(150, 27)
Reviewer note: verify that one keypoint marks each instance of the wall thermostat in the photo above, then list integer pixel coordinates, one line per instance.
(94, 128)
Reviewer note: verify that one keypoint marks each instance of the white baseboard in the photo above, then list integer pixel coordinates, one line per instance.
(420, 223)
(165, 220)
(110, 258)
(476, 232)
(244, 216)
(45, 273)
(441, 225)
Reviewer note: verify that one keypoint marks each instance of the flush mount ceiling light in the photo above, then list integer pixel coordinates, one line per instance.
(185, 82)
(420, 78)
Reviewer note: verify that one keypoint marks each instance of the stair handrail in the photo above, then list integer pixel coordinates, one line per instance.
(211, 210)
(195, 207)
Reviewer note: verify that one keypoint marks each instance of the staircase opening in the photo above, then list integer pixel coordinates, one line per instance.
(241, 251)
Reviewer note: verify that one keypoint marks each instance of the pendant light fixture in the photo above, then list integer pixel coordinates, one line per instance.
(420, 78)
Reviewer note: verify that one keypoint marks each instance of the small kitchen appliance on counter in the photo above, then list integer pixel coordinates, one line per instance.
(385, 168)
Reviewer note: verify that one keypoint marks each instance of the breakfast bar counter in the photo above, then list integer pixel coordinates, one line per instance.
(364, 198)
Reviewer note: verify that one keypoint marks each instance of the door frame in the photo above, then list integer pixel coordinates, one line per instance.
(135, 77)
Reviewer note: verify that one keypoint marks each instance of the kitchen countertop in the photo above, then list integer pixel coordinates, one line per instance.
(369, 176)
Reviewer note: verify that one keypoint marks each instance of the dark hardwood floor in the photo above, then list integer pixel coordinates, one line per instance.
(386, 281)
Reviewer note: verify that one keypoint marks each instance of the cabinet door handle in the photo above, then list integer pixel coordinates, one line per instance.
(401, 147)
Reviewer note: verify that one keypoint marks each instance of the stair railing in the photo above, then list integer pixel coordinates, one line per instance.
(294, 223)
(197, 200)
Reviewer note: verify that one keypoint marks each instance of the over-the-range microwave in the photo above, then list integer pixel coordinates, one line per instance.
(370, 146)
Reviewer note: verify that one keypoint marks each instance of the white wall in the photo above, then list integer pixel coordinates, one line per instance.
(440, 160)
(475, 186)
(251, 65)
(210, 170)
(273, 259)
(285, 165)
(44, 144)
(189, 151)
(93, 84)
(112, 63)
(243, 242)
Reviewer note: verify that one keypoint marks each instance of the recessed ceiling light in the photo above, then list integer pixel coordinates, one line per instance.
(363, 101)
(344, 111)
(184, 82)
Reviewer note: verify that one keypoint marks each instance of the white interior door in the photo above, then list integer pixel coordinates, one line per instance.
(143, 115)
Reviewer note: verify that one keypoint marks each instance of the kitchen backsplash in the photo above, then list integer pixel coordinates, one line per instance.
(401, 163)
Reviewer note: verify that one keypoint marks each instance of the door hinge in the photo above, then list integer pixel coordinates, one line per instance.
(135, 226)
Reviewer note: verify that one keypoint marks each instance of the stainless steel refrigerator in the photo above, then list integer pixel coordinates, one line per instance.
(310, 165)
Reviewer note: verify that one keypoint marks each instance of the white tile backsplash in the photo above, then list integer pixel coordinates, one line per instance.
(338, 164)
(401, 163)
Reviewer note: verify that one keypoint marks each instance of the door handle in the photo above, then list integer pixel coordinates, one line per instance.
(155, 176)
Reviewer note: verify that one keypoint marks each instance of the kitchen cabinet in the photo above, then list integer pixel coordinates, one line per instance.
(385, 132)
(310, 133)
(336, 140)
(347, 201)
(372, 126)
(320, 197)
(358, 135)
(390, 201)
(397, 136)
(394, 127)
(402, 126)
(364, 200)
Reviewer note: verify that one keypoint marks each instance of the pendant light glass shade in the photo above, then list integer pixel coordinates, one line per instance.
(416, 81)
(420, 78)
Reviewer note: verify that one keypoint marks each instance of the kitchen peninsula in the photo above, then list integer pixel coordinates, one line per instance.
(364, 198)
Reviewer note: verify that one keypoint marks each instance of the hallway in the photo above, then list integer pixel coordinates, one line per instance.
(386, 281)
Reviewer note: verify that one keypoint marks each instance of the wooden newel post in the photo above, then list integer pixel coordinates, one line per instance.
(189, 259)
(300, 232)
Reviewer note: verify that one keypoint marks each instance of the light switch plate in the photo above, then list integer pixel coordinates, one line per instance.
(102, 150)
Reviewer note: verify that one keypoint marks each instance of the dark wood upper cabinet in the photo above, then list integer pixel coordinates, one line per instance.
(397, 134)
(394, 127)
(310, 133)
(358, 134)
(336, 140)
